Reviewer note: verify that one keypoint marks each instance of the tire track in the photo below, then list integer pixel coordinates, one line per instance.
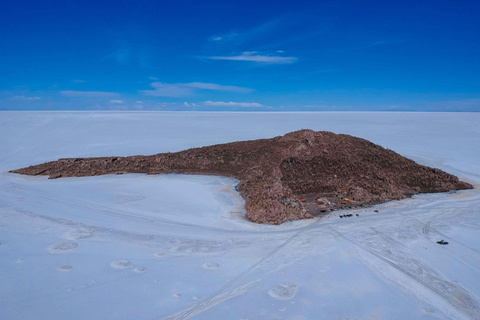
(453, 240)
(207, 300)
(427, 227)
(462, 308)
(394, 242)
(80, 203)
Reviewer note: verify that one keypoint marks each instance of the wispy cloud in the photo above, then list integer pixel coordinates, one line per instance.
(88, 94)
(186, 104)
(217, 87)
(116, 101)
(167, 90)
(224, 37)
(269, 36)
(237, 38)
(233, 104)
(162, 89)
(24, 98)
(254, 56)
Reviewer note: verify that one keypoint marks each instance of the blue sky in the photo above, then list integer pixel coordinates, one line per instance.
(240, 55)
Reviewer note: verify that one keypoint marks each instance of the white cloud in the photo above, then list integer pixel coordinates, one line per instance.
(254, 56)
(153, 78)
(116, 101)
(224, 37)
(263, 30)
(186, 89)
(233, 104)
(217, 87)
(88, 94)
(25, 98)
(168, 90)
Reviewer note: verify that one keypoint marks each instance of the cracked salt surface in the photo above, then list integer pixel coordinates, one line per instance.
(178, 247)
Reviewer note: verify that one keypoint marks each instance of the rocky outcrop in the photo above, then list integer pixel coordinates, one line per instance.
(275, 173)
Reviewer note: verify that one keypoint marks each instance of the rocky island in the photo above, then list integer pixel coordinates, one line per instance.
(290, 177)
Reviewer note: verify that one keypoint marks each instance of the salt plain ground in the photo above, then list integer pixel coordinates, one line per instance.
(177, 246)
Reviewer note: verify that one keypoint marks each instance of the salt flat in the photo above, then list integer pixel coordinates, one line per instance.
(178, 247)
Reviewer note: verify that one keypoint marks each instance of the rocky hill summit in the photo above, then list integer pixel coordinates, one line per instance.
(290, 177)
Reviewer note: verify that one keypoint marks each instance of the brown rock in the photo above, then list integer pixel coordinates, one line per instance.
(297, 164)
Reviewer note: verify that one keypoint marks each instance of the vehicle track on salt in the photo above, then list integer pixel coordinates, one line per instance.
(428, 226)
(474, 314)
(453, 240)
(77, 202)
(218, 292)
(74, 201)
(393, 241)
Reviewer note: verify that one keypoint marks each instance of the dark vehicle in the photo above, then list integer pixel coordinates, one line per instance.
(341, 216)
(358, 215)
(442, 242)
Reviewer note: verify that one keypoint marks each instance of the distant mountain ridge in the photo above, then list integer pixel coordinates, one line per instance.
(284, 178)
